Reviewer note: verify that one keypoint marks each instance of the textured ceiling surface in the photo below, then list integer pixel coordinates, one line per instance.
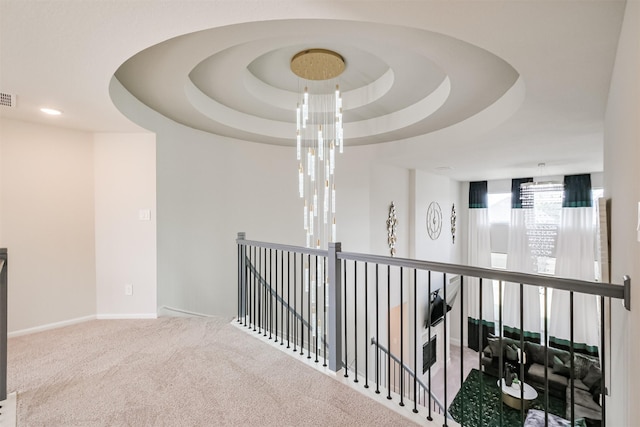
(472, 90)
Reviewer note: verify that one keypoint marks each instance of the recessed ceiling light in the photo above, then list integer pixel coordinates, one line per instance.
(51, 111)
(444, 168)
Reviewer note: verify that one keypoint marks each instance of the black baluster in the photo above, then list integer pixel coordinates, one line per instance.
(270, 311)
(481, 348)
(446, 344)
(295, 304)
(275, 302)
(366, 326)
(309, 307)
(259, 318)
(429, 417)
(377, 334)
(282, 298)
(346, 320)
(301, 304)
(324, 310)
(265, 307)
(546, 357)
(415, 341)
(315, 350)
(571, 349)
(239, 282)
(288, 295)
(521, 373)
(401, 337)
(461, 340)
(603, 383)
(389, 332)
(355, 316)
(255, 300)
(500, 342)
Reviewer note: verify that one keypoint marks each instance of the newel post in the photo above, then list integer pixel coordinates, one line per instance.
(334, 330)
(3, 323)
(242, 275)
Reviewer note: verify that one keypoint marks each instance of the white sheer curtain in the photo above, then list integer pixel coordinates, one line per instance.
(520, 258)
(479, 256)
(575, 258)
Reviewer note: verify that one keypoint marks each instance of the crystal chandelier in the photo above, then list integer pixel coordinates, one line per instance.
(319, 135)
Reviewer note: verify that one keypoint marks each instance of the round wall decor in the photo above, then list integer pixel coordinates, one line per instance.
(434, 220)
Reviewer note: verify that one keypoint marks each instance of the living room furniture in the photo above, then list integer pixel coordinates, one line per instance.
(557, 368)
(517, 395)
(536, 418)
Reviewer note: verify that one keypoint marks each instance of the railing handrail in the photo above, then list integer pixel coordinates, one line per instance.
(411, 374)
(612, 290)
(584, 286)
(281, 247)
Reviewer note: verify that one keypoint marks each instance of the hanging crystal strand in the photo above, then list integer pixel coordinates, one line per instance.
(305, 108)
(333, 230)
(318, 132)
(332, 158)
(315, 200)
(306, 217)
(333, 199)
(326, 202)
(313, 165)
(301, 180)
(320, 144)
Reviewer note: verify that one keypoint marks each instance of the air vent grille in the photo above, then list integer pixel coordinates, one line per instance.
(7, 100)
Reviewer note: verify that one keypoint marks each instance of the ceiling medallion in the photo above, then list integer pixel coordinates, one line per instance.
(317, 64)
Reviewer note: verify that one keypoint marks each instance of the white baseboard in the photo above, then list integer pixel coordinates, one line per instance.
(8, 413)
(49, 326)
(454, 341)
(118, 316)
(180, 311)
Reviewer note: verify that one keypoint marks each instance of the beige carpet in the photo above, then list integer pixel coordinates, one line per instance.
(174, 371)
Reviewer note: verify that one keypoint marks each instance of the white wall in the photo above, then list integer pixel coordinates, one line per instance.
(210, 188)
(622, 186)
(125, 183)
(430, 188)
(442, 190)
(47, 223)
(389, 184)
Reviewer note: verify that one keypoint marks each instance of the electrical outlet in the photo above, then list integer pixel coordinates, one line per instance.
(128, 289)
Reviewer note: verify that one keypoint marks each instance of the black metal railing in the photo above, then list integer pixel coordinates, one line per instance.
(415, 390)
(331, 304)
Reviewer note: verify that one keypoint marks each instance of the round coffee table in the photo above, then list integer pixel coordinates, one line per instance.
(516, 397)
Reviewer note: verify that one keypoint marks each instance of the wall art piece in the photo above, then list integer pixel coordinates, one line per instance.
(392, 224)
(434, 220)
(453, 223)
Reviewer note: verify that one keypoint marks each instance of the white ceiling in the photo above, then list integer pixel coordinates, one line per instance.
(468, 89)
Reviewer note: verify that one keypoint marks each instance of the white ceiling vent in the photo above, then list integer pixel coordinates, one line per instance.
(7, 100)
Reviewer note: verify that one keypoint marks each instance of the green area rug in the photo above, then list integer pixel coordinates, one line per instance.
(479, 403)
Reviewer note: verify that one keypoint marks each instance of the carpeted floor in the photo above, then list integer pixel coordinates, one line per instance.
(174, 371)
(479, 403)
